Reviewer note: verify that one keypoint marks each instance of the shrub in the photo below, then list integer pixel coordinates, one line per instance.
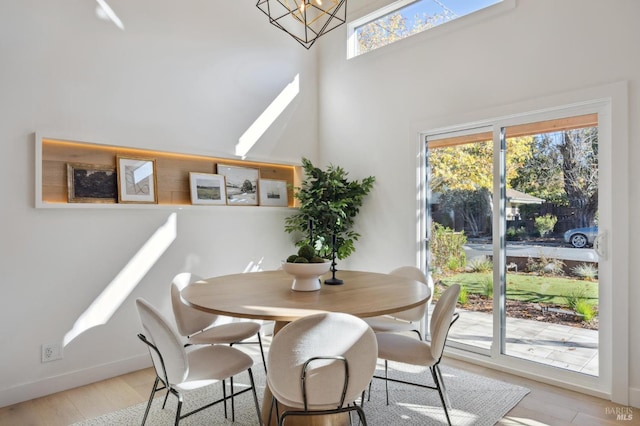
(585, 309)
(479, 264)
(545, 266)
(587, 271)
(572, 298)
(446, 247)
(487, 287)
(514, 234)
(544, 224)
(463, 297)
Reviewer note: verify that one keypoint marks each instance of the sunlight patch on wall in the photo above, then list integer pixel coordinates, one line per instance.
(268, 117)
(104, 11)
(118, 290)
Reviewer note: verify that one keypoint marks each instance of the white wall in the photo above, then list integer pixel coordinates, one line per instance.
(188, 76)
(541, 48)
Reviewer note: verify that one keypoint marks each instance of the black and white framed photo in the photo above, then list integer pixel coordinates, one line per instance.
(91, 183)
(241, 184)
(207, 188)
(137, 180)
(273, 192)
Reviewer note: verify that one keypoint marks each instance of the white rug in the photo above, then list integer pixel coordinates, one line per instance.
(476, 400)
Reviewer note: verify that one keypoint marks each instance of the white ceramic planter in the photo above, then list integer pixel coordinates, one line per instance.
(306, 276)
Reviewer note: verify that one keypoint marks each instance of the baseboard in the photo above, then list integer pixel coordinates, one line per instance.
(49, 385)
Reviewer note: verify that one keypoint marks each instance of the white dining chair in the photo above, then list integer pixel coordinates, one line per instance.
(319, 363)
(407, 350)
(410, 319)
(203, 328)
(180, 371)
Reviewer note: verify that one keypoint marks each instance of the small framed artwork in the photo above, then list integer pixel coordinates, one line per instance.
(241, 184)
(273, 192)
(91, 183)
(137, 180)
(207, 188)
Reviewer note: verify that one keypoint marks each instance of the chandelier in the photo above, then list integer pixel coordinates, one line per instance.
(305, 20)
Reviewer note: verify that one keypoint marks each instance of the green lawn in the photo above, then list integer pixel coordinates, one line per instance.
(530, 288)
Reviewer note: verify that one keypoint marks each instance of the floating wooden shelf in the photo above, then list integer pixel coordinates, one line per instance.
(172, 171)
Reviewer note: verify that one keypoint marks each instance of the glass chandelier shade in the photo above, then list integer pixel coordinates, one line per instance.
(305, 20)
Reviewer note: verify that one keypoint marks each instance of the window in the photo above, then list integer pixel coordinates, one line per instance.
(404, 18)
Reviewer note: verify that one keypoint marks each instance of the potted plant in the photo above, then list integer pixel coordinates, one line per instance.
(329, 203)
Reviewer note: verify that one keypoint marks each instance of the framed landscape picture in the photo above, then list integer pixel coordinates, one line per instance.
(241, 184)
(207, 188)
(91, 183)
(137, 180)
(273, 192)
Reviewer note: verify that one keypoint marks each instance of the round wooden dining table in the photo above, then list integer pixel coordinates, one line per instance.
(268, 296)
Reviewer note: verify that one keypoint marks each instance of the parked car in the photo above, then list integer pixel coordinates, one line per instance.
(581, 237)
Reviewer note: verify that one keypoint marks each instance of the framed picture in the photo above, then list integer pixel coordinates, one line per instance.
(241, 184)
(137, 180)
(91, 183)
(207, 188)
(273, 192)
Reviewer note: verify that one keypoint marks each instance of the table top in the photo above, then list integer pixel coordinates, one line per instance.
(267, 295)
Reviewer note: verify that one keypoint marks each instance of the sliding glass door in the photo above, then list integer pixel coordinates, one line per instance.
(512, 215)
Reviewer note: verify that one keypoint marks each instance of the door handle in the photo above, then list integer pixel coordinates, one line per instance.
(600, 245)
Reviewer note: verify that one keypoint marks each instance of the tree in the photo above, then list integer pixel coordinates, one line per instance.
(463, 175)
(474, 205)
(247, 186)
(394, 27)
(579, 151)
(470, 166)
(563, 169)
(541, 173)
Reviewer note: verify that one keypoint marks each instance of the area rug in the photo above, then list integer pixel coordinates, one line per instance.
(475, 400)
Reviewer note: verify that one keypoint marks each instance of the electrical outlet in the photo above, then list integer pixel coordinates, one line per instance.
(51, 352)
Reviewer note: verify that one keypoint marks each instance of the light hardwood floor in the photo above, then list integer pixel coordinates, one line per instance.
(544, 405)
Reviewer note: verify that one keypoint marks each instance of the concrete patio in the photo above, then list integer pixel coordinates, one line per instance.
(571, 348)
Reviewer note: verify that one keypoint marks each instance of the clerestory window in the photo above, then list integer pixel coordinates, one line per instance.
(404, 18)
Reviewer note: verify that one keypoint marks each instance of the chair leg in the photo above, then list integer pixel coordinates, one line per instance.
(224, 396)
(233, 405)
(153, 392)
(179, 409)
(255, 396)
(386, 376)
(363, 419)
(264, 361)
(274, 403)
(434, 373)
(444, 389)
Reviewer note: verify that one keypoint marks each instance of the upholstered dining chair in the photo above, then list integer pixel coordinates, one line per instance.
(319, 363)
(404, 349)
(203, 328)
(180, 371)
(408, 320)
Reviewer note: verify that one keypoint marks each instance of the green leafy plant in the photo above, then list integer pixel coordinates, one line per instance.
(447, 248)
(544, 224)
(585, 309)
(574, 296)
(487, 287)
(514, 234)
(329, 203)
(479, 264)
(463, 297)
